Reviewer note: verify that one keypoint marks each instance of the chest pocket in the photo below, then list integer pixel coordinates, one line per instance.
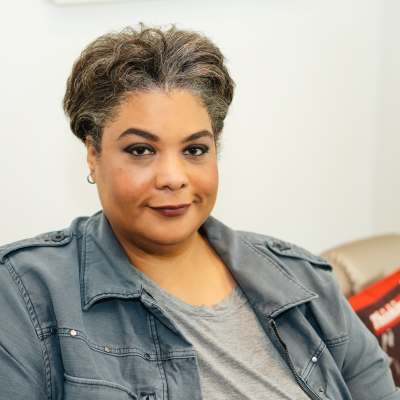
(93, 389)
(99, 368)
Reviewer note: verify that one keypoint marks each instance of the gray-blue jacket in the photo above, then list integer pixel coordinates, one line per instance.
(74, 323)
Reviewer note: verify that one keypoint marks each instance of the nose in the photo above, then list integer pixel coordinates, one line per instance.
(171, 174)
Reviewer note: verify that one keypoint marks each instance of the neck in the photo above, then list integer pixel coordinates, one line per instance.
(166, 263)
(192, 271)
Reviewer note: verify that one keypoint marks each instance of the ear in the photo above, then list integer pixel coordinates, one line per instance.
(91, 156)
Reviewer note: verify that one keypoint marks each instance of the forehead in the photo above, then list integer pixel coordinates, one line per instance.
(175, 113)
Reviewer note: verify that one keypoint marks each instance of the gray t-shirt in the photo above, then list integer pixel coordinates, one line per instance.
(236, 358)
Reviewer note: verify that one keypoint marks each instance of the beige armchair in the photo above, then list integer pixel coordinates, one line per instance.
(359, 264)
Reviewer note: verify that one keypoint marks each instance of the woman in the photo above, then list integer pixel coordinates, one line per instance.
(152, 298)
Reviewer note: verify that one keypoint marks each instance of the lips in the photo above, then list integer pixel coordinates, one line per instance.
(172, 210)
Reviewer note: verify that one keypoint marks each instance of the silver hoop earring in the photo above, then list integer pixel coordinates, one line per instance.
(89, 179)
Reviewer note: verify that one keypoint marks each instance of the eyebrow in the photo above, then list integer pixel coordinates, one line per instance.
(198, 135)
(139, 132)
(155, 138)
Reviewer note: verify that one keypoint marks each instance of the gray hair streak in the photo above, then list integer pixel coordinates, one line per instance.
(119, 64)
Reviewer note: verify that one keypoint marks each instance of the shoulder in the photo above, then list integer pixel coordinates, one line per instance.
(44, 243)
(284, 249)
(32, 269)
(310, 270)
(50, 239)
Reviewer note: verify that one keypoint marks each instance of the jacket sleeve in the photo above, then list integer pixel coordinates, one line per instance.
(22, 369)
(366, 367)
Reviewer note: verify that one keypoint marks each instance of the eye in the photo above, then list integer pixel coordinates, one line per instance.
(195, 150)
(140, 150)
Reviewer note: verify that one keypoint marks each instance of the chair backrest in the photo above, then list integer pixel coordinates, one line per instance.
(359, 264)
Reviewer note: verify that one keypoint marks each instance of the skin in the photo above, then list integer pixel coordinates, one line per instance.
(159, 151)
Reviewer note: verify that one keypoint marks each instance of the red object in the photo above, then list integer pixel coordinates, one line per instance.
(374, 292)
(378, 307)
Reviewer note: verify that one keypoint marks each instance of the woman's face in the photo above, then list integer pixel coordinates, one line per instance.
(157, 173)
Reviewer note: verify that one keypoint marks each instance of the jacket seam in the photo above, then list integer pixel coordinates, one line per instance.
(83, 266)
(21, 246)
(101, 349)
(119, 352)
(337, 342)
(166, 393)
(154, 334)
(35, 323)
(311, 365)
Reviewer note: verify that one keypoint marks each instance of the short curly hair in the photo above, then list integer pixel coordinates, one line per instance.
(118, 64)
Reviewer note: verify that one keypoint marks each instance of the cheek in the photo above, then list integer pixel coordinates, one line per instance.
(124, 184)
(207, 181)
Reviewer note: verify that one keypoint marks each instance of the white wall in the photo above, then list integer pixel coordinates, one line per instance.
(303, 154)
(387, 173)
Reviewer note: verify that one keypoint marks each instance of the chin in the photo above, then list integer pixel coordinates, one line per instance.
(172, 240)
(171, 235)
(170, 231)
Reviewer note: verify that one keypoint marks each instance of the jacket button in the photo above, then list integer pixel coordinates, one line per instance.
(281, 245)
(147, 356)
(321, 389)
(58, 237)
(107, 349)
(314, 359)
(73, 332)
(53, 331)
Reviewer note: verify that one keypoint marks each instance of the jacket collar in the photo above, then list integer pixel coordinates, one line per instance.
(268, 287)
(106, 271)
(105, 268)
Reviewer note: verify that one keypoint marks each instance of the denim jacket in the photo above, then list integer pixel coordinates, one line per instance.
(74, 323)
